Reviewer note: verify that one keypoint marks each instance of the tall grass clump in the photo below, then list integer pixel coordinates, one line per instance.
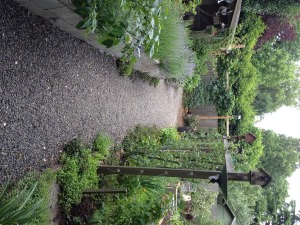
(174, 52)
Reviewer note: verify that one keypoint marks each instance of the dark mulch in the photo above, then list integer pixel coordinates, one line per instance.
(84, 210)
(54, 87)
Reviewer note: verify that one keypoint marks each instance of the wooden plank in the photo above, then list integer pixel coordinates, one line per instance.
(105, 191)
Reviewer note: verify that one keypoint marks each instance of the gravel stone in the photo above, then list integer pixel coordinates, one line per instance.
(54, 87)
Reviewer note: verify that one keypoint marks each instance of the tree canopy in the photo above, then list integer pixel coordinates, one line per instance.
(278, 82)
(254, 205)
(280, 158)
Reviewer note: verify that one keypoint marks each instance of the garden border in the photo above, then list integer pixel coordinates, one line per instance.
(61, 14)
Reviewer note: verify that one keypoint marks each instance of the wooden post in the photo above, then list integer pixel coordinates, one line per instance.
(214, 117)
(104, 191)
(254, 177)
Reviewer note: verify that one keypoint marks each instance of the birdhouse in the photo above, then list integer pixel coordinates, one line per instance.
(248, 137)
(260, 177)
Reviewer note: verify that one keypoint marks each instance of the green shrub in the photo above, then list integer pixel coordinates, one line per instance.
(16, 209)
(191, 83)
(141, 138)
(143, 203)
(102, 144)
(73, 147)
(198, 96)
(129, 24)
(168, 135)
(77, 174)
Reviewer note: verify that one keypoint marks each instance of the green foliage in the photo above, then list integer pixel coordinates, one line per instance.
(16, 209)
(141, 137)
(279, 159)
(287, 214)
(292, 46)
(149, 147)
(126, 65)
(132, 24)
(174, 52)
(191, 83)
(198, 95)
(42, 191)
(224, 99)
(203, 48)
(168, 135)
(79, 171)
(243, 75)
(102, 144)
(279, 83)
(143, 203)
(286, 8)
(202, 202)
(251, 152)
(280, 154)
(243, 198)
(190, 6)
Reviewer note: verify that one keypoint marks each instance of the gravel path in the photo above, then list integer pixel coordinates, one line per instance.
(54, 87)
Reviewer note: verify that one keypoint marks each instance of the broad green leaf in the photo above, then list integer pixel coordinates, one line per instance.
(124, 24)
(108, 43)
(80, 24)
(152, 51)
(118, 32)
(84, 11)
(84, 24)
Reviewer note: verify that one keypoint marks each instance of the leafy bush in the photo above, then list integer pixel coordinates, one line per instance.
(16, 209)
(78, 172)
(288, 8)
(132, 24)
(224, 99)
(191, 83)
(168, 135)
(143, 203)
(243, 75)
(102, 144)
(141, 138)
(198, 96)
